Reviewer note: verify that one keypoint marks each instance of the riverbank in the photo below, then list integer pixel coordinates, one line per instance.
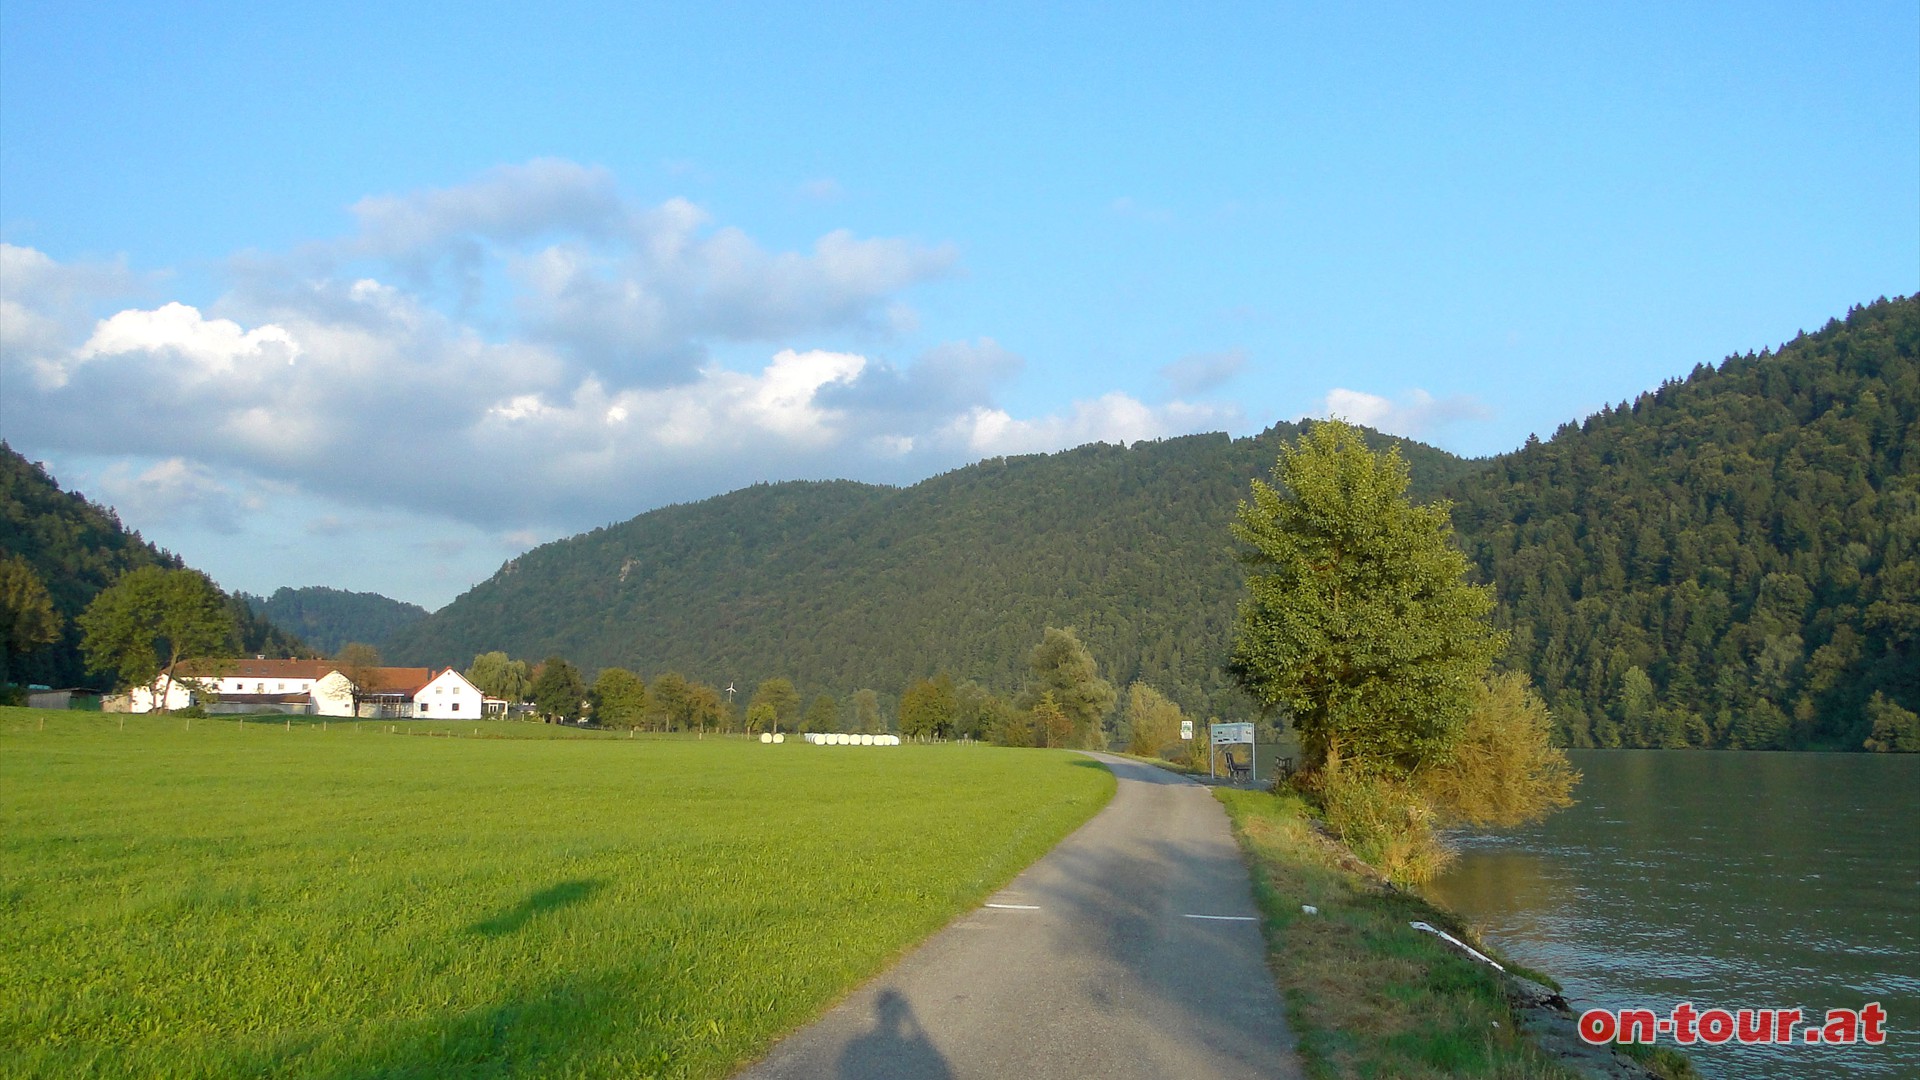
(1369, 995)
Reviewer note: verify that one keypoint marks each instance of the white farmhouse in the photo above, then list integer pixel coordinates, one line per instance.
(449, 696)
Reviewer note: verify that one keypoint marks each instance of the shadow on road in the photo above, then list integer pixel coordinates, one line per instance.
(897, 1048)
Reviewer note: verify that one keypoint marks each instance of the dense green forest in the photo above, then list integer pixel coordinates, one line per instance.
(1730, 560)
(842, 586)
(1727, 561)
(76, 549)
(330, 618)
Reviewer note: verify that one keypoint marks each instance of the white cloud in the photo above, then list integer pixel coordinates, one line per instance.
(174, 491)
(45, 305)
(1111, 418)
(340, 373)
(210, 348)
(823, 189)
(1199, 372)
(1416, 415)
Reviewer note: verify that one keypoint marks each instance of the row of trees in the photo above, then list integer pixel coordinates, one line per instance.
(1064, 703)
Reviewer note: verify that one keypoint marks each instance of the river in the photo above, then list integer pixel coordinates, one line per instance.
(1725, 879)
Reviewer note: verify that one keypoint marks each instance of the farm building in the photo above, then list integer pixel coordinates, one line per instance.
(313, 687)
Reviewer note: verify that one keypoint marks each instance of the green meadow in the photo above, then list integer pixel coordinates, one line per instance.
(212, 898)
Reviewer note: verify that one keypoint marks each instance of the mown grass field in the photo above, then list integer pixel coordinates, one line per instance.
(258, 901)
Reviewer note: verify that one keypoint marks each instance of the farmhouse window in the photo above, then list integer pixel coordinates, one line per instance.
(456, 706)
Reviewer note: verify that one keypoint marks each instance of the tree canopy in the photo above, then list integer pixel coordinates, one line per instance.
(143, 627)
(28, 622)
(1064, 671)
(619, 698)
(558, 691)
(1359, 621)
(498, 676)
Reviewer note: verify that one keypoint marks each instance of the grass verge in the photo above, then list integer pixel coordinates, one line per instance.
(328, 900)
(1369, 996)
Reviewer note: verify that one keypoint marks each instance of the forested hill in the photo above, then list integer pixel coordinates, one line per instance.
(330, 618)
(76, 549)
(842, 586)
(1732, 560)
(1728, 561)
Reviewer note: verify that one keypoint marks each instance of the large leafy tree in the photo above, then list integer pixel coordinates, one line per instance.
(558, 690)
(1359, 620)
(143, 627)
(667, 700)
(360, 664)
(823, 714)
(497, 676)
(27, 619)
(1064, 668)
(928, 708)
(706, 708)
(619, 698)
(781, 704)
(867, 718)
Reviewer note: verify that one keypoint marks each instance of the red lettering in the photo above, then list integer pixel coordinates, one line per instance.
(1784, 1022)
(1871, 1017)
(1597, 1026)
(1716, 1026)
(1840, 1026)
(1637, 1025)
(1683, 1017)
(1756, 1025)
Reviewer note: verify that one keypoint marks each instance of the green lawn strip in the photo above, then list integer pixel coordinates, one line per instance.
(325, 903)
(1369, 996)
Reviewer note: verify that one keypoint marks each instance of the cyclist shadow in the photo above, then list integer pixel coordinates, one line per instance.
(896, 1049)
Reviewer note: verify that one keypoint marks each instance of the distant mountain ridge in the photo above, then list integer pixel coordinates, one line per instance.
(328, 619)
(841, 585)
(1727, 561)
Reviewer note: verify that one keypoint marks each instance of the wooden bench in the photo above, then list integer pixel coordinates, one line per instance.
(1238, 770)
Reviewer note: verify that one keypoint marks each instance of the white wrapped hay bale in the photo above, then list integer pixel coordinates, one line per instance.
(765, 738)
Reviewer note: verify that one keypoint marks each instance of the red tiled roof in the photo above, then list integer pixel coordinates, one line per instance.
(404, 680)
(256, 669)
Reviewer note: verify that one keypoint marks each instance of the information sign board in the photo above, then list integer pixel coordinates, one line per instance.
(1186, 729)
(1232, 733)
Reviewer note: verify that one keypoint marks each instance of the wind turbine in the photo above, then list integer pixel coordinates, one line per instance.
(729, 695)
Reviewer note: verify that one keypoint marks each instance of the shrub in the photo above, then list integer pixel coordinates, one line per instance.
(1385, 821)
(1505, 770)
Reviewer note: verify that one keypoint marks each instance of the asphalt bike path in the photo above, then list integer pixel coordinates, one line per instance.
(1132, 949)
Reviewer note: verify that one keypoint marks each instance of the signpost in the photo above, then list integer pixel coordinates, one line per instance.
(1229, 735)
(1186, 730)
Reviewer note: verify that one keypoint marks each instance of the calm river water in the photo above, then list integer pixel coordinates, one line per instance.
(1725, 879)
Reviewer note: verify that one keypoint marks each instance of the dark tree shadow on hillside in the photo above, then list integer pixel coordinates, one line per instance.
(557, 896)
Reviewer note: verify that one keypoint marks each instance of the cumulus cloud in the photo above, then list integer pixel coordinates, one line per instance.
(342, 375)
(174, 490)
(1112, 418)
(631, 291)
(45, 305)
(1416, 415)
(1197, 373)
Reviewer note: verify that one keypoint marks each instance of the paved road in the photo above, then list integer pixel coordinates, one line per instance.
(1130, 950)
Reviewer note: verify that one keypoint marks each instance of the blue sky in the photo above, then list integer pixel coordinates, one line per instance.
(374, 298)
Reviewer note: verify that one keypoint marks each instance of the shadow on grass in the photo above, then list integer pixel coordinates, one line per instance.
(557, 896)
